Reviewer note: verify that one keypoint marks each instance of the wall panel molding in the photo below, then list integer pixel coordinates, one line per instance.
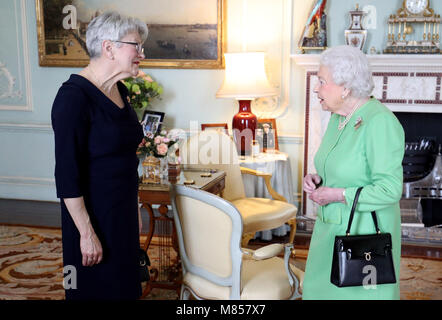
(26, 127)
(23, 69)
(27, 180)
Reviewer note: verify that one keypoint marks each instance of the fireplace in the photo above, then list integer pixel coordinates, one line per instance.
(410, 85)
(422, 167)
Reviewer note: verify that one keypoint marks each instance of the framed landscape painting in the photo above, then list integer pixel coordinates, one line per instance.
(186, 34)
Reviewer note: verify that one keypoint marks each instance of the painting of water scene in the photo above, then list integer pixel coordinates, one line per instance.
(182, 34)
(196, 42)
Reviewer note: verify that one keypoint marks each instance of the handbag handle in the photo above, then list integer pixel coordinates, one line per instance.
(352, 213)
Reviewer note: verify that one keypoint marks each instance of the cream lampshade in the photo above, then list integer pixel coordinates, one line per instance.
(245, 79)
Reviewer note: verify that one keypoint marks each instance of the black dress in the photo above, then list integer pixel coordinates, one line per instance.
(95, 153)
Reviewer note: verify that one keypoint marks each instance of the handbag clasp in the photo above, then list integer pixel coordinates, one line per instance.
(367, 256)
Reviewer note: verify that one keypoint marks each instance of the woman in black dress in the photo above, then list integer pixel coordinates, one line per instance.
(96, 136)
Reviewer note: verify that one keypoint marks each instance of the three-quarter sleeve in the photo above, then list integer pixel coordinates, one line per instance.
(70, 122)
(385, 142)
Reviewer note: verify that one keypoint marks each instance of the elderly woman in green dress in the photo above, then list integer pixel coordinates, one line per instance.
(363, 146)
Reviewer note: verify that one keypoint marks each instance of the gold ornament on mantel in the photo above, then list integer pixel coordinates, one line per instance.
(151, 170)
(414, 29)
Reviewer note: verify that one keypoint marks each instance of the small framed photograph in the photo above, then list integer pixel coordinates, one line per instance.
(356, 38)
(221, 127)
(266, 135)
(151, 122)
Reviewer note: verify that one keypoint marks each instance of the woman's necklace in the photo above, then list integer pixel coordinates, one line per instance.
(348, 116)
(100, 86)
(95, 77)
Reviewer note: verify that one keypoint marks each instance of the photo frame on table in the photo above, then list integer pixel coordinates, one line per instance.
(152, 121)
(193, 37)
(223, 127)
(267, 135)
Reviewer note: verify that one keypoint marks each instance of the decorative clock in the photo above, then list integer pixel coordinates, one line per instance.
(414, 29)
(415, 7)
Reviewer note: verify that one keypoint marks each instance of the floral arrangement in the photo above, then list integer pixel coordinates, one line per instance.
(142, 89)
(159, 144)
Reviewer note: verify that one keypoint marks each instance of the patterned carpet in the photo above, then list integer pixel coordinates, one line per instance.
(31, 268)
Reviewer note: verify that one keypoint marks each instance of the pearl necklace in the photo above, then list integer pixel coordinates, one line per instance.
(348, 116)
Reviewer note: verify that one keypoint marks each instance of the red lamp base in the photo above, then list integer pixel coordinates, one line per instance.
(244, 124)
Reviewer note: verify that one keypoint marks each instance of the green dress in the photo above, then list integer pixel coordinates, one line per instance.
(370, 155)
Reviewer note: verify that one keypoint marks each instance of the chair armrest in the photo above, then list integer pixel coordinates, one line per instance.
(267, 252)
(267, 176)
(270, 251)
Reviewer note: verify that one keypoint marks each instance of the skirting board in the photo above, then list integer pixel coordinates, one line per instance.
(39, 213)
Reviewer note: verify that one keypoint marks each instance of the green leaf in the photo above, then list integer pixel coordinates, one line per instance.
(135, 88)
(144, 103)
(146, 84)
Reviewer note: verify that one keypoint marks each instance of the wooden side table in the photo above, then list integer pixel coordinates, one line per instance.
(158, 194)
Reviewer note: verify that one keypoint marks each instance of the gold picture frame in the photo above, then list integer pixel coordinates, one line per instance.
(267, 135)
(223, 127)
(59, 46)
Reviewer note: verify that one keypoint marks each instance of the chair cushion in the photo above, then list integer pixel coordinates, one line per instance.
(262, 214)
(260, 280)
(264, 280)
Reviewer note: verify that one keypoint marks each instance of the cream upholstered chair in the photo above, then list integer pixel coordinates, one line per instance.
(214, 266)
(216, 150)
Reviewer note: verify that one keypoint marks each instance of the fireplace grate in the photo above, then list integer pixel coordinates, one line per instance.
(430, 186)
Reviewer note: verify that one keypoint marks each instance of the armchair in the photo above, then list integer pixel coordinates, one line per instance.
(214, 266)
(216, 150)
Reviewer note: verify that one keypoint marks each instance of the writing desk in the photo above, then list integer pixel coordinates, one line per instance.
(168, 274)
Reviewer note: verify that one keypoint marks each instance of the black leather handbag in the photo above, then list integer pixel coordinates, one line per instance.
(362, 260)
(144, 266)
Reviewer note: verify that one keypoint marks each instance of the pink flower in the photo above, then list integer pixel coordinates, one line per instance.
(166, 140)
(158, 139)
(162, 149)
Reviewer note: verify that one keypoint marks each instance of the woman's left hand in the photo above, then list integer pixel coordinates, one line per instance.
(326, 195)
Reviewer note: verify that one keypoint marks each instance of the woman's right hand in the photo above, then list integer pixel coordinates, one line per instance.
(311, 181)
(90, 245)
(91, 249)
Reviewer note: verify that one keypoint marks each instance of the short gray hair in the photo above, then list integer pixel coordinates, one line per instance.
(349, 67)
(111, 26)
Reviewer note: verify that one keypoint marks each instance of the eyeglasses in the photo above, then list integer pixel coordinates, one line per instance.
(138, 46)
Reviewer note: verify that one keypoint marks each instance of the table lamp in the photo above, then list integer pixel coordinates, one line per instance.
(245, 79)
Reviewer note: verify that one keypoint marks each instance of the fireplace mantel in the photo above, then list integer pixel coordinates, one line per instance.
(405, 83)
(381, 62)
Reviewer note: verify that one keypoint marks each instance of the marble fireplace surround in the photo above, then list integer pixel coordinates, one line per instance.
(404, 83)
